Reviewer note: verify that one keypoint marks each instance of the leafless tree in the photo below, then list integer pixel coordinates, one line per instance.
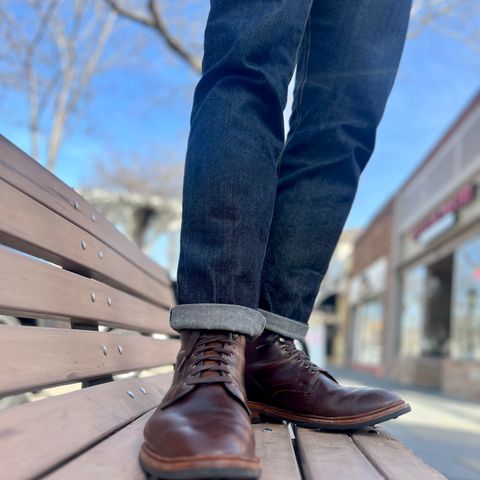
(153, 15)
(457, 19)
(141, 192)
(50, 51)
(157, 173)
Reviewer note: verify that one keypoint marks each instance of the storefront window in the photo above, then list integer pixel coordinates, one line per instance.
(368, 318)
(413, 310)
(465, 342)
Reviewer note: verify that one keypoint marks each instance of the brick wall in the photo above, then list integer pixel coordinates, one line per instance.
(461, 379)
(375, 241)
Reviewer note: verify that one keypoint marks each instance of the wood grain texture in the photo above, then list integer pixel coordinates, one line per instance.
(30, 227)
(33, 357)
(393, 459)
(29, 287)
(28, 176)
(36, 437)
(102, 460)
(332, 456)
(274, 447)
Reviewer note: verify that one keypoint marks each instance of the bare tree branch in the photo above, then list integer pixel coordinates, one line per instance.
(50, 52)
(156, 22)
(457, 19)
(75, 79)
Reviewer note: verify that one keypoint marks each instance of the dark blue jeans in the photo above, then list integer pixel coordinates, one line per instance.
(261, 215)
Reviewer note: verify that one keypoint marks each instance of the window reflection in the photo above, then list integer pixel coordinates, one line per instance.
(368, 332)
(466, 302)
(413, 310)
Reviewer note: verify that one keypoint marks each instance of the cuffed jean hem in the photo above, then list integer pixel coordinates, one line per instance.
(284, 325)
(217, 316)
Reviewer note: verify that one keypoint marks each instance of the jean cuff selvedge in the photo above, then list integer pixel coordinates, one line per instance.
(217, 316)
(284, 325)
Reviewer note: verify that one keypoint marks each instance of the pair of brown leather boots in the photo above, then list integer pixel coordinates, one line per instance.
(202, 429)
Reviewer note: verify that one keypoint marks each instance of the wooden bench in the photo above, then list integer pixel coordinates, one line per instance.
(61, 260)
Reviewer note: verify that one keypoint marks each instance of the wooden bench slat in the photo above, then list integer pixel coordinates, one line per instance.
(332, 456)
(101, 461)
(33, 357)
(392, 458)
(51, 292)
(29, 226)
(36, 437)
(27, 175)
(274, 447)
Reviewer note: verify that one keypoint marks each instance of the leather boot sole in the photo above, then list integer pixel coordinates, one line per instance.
(264, 412)
(206, 467)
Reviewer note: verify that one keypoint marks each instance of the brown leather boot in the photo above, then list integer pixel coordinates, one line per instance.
(202, 428)
(283, 384)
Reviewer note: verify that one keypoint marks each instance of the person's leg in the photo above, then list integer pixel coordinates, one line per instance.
(229, 189)
(348, 61)
(230, 178)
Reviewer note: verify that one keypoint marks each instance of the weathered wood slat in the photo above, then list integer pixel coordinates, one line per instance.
(27, 175)
(36, 437)
(29, 287)
(392, 459)
(33, 357)
(101, 461)
(29, 226)
(332, 456)
(274, 447)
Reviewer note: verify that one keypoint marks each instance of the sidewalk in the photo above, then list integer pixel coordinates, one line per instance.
(442, 430)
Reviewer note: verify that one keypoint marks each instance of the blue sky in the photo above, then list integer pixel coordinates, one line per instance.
(146, 108)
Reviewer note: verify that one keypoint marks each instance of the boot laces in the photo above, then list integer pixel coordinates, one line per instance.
(302, 358)
(213, 354)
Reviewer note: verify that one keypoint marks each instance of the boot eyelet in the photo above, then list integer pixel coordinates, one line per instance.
(285, 349)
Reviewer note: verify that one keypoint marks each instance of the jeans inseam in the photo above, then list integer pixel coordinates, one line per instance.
(302, 85)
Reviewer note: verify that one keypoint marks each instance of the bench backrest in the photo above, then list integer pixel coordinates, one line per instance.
(61, 260)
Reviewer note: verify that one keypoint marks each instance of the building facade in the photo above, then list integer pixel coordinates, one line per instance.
(328, 322)
(435, 307)
(369, 295)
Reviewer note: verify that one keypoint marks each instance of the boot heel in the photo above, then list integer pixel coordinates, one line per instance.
(256, 416)
(260, 417)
